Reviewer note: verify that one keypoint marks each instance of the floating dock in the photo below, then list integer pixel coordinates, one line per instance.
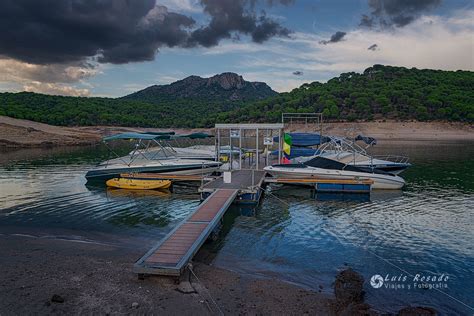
(329, 185)
(171, 177)
(248, 182)
(171, 255)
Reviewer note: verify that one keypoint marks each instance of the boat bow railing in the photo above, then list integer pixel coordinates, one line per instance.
(392, 158)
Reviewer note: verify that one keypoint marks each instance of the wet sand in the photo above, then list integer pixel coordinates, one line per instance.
(98, 279)
(24, 133)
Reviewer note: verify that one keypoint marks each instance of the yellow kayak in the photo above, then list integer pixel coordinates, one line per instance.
(135, 184)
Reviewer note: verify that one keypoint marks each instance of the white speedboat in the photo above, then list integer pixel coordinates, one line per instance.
(348, 152)
(319, 167)
(141, 159)
(107, 170)
(343, 150)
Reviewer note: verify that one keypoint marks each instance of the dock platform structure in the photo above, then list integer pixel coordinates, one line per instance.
(329, 185)
(166, 176)
(171, 255)
(248, 183)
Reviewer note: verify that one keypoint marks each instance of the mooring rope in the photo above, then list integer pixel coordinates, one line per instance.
(190, 267)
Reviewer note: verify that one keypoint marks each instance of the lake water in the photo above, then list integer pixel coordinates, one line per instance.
(426, 229)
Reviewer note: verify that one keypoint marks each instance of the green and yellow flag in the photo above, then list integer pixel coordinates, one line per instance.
(286, 149)
(287, 144)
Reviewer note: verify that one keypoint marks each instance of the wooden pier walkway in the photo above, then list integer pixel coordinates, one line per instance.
(171, 255)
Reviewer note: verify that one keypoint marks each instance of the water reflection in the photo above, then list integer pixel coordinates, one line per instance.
(133, 194)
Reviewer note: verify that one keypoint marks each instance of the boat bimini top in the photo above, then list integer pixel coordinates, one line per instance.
(149, 145)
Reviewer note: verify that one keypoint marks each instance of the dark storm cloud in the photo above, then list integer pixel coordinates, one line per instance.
(373, 47)
(120, 31)
(235, 16)
(387, 13)
(336, 37)
(298, 73)
(53, 31)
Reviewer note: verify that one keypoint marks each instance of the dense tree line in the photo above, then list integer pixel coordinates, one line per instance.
(74, 111)
(380, 92)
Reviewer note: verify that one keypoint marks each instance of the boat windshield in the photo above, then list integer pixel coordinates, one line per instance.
(324, 163)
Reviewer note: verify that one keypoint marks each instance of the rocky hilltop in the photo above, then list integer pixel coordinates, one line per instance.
(227, 86)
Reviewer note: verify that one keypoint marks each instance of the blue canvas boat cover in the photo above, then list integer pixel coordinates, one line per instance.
(366, 139)
(305, 139)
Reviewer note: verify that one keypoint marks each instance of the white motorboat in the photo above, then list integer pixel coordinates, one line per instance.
(142, 160)
(349, 152)
(106, 170)
(320, 167)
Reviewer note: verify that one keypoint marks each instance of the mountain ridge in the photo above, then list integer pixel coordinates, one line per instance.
(227, 86)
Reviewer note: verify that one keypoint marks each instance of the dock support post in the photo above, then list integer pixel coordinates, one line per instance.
(256, 149)
(240, 149)
(231, 149)
(218, 145)
(279, 146)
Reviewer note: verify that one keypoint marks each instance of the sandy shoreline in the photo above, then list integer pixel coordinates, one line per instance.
(15, 133)
(98, 279)
(42, 275)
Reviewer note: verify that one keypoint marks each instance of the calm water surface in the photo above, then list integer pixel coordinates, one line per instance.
(294, 235)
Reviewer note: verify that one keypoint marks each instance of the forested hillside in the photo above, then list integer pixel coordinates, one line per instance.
(74, 111)
(380, 92)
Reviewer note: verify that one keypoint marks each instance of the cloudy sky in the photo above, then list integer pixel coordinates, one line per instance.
(115, 47)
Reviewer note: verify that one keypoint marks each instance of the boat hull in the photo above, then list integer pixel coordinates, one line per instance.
(381, 181)
(138, 184)
(107, 173)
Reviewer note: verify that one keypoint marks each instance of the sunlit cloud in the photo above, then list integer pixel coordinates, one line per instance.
(55, 88)
(50, 78)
